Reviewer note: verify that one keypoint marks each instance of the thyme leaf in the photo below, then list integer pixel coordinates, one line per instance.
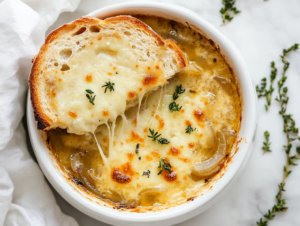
(178, 91)
(174, 107)
(267, 144)
(228, 11)
(89, 91)
(292, 134)
(164, 164)
(90, 96)
(262, 91)
(189, 129)
(109, 85)
(163, 141)
(154, 135)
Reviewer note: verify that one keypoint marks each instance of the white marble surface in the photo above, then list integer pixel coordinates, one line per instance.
(260, 32)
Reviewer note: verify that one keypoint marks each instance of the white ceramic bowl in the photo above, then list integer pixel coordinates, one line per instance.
(190, 209)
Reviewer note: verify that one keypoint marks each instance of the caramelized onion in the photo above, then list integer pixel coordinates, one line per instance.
(91, 173)
(150, 196)
(79, 141)
(215, 170)
(76, 162)
(224, 83)
(230, 136)
(100, 170)
(212, 140)
(132, 203)
(209, 166)
(229, 133)
(152, 190)
(112, 196)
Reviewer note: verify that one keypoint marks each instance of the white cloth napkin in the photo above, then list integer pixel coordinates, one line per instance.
(25, 197)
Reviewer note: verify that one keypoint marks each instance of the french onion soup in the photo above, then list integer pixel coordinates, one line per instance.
(166, 148)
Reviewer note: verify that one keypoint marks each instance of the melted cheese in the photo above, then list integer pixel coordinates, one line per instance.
(109, 59)
(183, 151)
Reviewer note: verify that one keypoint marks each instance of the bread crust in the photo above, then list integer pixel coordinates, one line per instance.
(182, 61)
(43, 120)
(39, 115)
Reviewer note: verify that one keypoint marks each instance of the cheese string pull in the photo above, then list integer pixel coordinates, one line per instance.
(124, 124)
(160, 95)
(138, 111)
(111, 141)
(111, 136)
(105, 161)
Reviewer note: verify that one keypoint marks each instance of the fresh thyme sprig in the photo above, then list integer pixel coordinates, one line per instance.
(289, 129)
(174, 107)
(262, 91)
(154, 135)
(267, 144)
(109, 85)
(90, 96)
(163, 141)
(189, 129)
(178, 91)
(164, 164)
(228, 11)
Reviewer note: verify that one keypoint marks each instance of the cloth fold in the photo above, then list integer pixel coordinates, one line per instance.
(25, 197)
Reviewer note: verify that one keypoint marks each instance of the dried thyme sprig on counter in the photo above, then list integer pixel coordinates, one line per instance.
(267, 144)
(228, 11)
(291, 133)
(262, 91)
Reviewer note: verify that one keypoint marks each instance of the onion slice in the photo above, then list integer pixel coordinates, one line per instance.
(153, 190)
(207, 168)
(76, 163)
(224, 83)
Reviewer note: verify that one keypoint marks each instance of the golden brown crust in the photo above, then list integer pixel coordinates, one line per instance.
(138, 24)
(182, 61)
(40, 117)
(43, 121)
(68, 27)
(119, 177)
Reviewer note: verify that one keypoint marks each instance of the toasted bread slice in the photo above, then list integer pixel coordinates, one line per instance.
(90, 71)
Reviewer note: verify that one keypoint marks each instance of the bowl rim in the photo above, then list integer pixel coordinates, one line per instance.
(201, 203)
